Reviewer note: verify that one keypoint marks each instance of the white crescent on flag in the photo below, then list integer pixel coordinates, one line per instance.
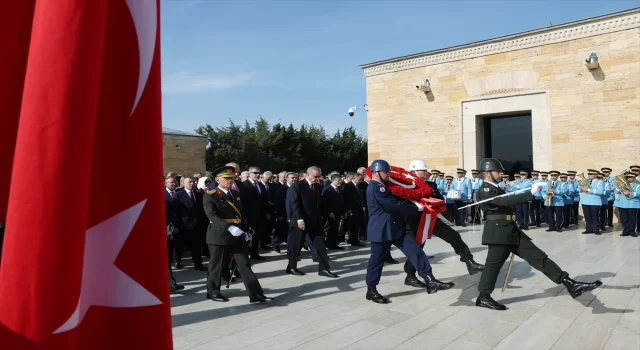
(145, 20)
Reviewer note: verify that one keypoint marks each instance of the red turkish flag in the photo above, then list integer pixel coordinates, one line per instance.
(84, 263)
(15, 31)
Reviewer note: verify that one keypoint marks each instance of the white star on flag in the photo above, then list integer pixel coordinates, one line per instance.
(104, 284)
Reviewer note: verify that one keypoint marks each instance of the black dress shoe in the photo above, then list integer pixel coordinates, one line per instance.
(473, 267)
(413, 281)
(624, 234)
(373, 295)
(294, 272)
(336, 248)
(598, 233)
(550, 229)
(305, 246)
(576, 288)
(433, 285)
(327, 273)
(357, 244)
(178, 266)
(391, 261)
(175, 288)
(429, 257)
(257, 257)
(587, 232)
(259, 298)
(559, 230)
(266, 246)
(277, 249)
(217, 297)
(486, 301)
(200, 268)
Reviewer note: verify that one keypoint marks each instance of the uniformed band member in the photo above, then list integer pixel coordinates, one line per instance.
(440, 229)
(628, 204)
(475, 185)
(225, 236)
(635, 169)
(386, 227)
(606, 215)
(522, 209)
(503, 237)
(536, 202)
(544, 175)
(461, 184)
(591, 201)
(569, 190)
(553, 197)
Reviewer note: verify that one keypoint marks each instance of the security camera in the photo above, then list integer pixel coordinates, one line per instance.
(352, 111)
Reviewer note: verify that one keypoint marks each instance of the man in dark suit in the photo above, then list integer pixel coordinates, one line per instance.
(503, 236)
(225, 235)
(333, 210)
(171, 220)
(270, 222)
(282, 219)
(355, 208)
(362, 186)
(190, 222)
(306, 217)
(257, 200)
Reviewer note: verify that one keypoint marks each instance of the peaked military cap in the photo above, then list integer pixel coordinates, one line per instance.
(524, 173)
(460, 171)
(563, 175)
(600, 175)
(592, 172)
(535, 172)
(571, 172)
(635, 167)
(544, 173)
(435, 171)
(630, 175)
(448, 177)
(606, 170)
(474, 171)
(505, 176)
(225, 172)
(554, 173)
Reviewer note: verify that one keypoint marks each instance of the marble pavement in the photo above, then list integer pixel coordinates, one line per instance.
(312, 312)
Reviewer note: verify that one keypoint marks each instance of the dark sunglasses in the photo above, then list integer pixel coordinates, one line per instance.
(255, 172)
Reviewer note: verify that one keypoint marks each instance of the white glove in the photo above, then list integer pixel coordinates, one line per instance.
(169, 231)
(535, 188)
(246, 237)
(420, 207)
(235, 231)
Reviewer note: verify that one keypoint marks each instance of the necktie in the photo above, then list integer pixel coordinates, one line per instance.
(234, 186)
(171, 194)
(313, 190)
(338, 189)
(191, 196)
(267, 187)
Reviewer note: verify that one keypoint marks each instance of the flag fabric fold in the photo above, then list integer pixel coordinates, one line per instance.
(82, 255)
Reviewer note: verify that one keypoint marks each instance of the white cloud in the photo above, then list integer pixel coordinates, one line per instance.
(187, 82)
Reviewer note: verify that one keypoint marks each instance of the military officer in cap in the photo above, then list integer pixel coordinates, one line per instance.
(463, 186)
(553, 195)
(635, 169)
(575, 207)
(386, 227)
(503, 237)
(225, 235)
(534, 207)
(522, 209)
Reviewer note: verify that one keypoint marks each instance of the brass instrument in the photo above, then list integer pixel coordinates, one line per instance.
(622, 185)
(549, 194)
(583, 181)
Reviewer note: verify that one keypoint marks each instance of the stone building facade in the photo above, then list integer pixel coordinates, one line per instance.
(183, 153)
(580, 117)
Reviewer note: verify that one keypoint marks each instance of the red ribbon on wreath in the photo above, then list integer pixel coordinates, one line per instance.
(408, 186)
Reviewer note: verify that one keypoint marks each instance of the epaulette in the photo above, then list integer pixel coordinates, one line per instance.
(212, 192)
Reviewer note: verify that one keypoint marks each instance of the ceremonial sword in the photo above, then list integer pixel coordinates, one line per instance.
(500, 196)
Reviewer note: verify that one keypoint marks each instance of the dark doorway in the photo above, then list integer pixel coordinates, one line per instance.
(508, 138)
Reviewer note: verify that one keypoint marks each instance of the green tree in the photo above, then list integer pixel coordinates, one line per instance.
(280, 147)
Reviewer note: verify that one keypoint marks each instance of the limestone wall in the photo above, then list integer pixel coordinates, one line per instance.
(594, 115)
(189, 159)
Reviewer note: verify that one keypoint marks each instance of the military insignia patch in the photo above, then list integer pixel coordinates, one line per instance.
(382, 189)
(486, 189)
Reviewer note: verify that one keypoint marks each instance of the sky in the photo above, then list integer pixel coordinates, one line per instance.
(297, 61)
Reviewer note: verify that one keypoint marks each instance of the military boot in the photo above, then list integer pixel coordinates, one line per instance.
(576, 288)
(433, 285)
(413, 281)
(473, 267)
(373, 295)
(486, 301)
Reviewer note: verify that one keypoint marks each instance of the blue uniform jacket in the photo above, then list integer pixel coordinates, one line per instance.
(442, 188)
(594, 197)
(576, 193)
(569, 191)
(608, 192)
(612, 185)
(535, 181)
(632, 203)
(464, 186)
(387, 213)
(558, 193)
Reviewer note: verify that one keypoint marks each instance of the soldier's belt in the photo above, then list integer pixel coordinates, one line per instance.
(231, 221)
(500, 217)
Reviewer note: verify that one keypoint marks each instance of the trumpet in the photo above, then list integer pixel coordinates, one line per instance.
(622, 185)
(549, 194)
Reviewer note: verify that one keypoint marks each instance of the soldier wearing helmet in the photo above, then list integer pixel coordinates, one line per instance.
(503, 236)
(386, 227)
(441, 230)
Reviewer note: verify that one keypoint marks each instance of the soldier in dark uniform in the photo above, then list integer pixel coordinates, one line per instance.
(387, 216)
(502, 235)
(225, 235)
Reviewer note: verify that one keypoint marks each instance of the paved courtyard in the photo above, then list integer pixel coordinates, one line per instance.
(312, 312)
